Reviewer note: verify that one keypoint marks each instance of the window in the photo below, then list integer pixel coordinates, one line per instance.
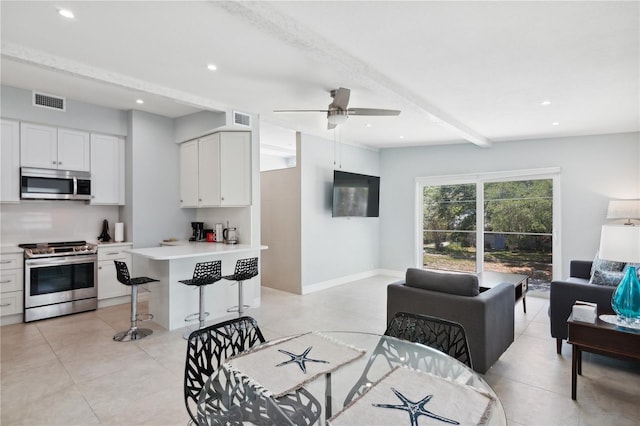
(501, 222)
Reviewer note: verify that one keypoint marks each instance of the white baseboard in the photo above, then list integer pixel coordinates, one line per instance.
(323, 285)
(12, 319)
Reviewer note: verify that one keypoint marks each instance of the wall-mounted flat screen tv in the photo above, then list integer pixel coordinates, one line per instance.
(355, 195)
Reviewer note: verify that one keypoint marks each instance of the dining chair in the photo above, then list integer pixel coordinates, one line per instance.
(444, 335)
(230, 399)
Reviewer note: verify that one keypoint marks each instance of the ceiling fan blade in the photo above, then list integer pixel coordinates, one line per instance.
(301, 110)
(340, 98)
(372, 111)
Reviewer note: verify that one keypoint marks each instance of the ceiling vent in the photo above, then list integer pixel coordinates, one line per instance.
(241, 119)
(44, 100)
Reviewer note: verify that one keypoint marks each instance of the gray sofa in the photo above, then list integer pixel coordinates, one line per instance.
(487, 317)
(564, 294)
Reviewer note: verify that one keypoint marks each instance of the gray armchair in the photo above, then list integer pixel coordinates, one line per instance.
(564, 294)
(487, 317)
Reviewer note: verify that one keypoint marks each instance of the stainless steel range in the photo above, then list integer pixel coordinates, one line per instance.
(59, 279)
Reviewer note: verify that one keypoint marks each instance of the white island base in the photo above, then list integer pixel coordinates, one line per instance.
(170, 301)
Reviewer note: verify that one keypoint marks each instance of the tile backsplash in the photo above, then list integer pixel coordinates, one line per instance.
(46, 221)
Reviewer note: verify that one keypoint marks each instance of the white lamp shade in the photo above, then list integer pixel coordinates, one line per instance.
(620, 243)
(623, 209)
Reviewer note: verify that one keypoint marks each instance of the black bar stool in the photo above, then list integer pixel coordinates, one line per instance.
(205, 273)
(134, 333)
(245, 270)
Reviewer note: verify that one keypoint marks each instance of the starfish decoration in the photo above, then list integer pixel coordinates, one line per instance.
(300, 359)
(415, 409)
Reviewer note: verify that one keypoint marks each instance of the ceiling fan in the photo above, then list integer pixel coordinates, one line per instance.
(338, 111)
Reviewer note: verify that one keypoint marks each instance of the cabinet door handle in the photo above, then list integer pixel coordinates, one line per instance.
(199, 199)
(53, 162)
(113, 253)
(4, 305)
(4, 262)
(99, 267)
(5, 281)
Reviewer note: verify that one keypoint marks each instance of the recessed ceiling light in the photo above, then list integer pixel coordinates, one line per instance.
(139, 101)
(545, 102)
(66, 13)
(555, 123)
(368, 124)
(211, 67)
(401, 137)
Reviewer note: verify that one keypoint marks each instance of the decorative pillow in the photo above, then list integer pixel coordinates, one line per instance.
(606, 265)
(608, 278)
(443, 282)
(605, 272)
(637, 265)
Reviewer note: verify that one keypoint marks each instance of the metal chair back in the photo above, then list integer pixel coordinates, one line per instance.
(446, 336)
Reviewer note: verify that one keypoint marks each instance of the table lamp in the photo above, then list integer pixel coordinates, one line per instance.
(621, 243)
(624, 209)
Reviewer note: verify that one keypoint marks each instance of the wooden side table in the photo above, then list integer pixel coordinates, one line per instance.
(600, 338)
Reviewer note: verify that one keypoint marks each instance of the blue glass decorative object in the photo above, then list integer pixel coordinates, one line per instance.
(626, 299)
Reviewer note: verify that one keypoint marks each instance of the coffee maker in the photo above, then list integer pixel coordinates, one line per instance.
(198, 231)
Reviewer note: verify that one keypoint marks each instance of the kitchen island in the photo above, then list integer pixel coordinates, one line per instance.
(171, 301)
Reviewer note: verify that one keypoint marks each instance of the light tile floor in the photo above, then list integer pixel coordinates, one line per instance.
(69, 371)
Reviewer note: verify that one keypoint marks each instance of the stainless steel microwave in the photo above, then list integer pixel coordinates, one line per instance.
(50, 184)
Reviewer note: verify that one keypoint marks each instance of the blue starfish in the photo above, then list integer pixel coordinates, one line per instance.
(415, 409)
(300, 359)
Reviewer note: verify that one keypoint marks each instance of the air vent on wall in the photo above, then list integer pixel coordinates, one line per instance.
(45, 100)
(241, 119)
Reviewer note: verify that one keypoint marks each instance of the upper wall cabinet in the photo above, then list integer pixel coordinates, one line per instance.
(107, 169)
(52, 148)
(10, 162)
(215, 170)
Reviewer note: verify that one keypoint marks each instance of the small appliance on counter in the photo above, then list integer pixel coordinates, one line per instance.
(218, 232)
(104, 237)
(230, 235)
(198, 231)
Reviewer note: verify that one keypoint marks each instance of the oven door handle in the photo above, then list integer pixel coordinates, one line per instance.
(53, 261)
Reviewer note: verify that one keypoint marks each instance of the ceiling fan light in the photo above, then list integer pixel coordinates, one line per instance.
(337, 117)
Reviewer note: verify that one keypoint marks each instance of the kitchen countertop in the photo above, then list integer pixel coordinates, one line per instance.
(192, 250)
(113, 243)
(10, 248)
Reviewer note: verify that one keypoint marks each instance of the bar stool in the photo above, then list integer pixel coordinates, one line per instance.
(134, 333)
(245, 270)
(205, 273)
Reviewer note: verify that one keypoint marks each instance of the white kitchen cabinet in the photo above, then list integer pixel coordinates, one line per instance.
(215, 170)
(10, 162)
(74, 150)
(189, 174)
(52, 148)
(108, 284)
(11, 284)
(107, 169)
(235, 169)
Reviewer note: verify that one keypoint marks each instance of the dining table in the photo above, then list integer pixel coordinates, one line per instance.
(346, 378)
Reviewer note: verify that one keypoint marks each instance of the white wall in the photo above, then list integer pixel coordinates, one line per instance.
(49, 221)
(152, 211)
(272, 162)
(594, 169)
(17, 104)
(333, 248)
